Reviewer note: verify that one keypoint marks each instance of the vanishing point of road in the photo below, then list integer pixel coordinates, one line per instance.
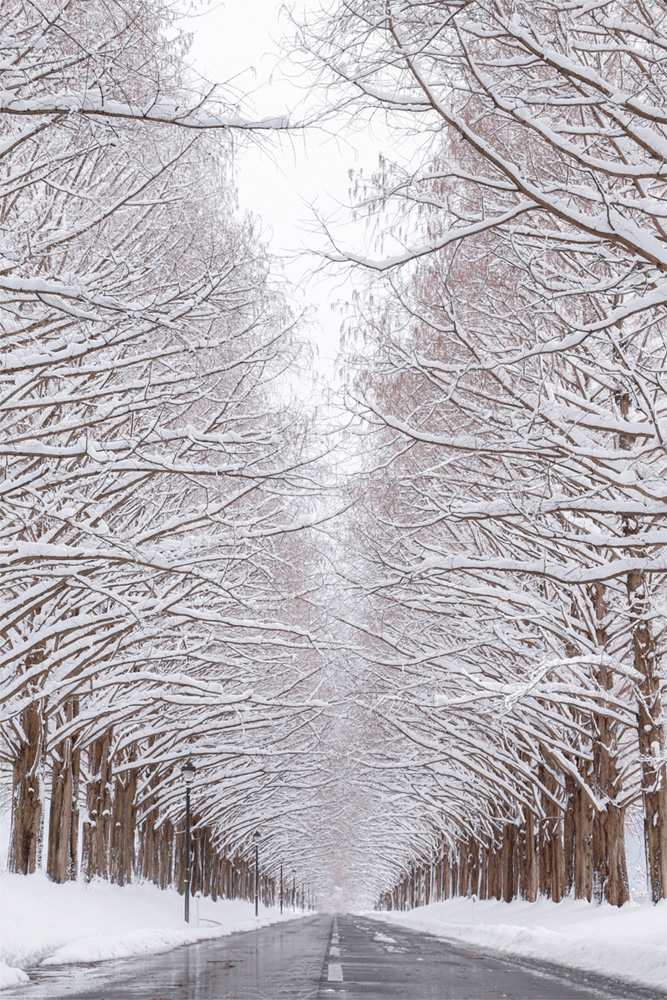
(323, 958)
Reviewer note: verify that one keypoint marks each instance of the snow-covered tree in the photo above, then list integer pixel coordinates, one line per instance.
(153, 457)
(524, 256)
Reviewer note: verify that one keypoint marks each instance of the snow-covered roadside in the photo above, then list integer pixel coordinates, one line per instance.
(628, 943)
(43, 923)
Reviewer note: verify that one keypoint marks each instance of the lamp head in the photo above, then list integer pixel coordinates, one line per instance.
(188, 770)
(257, 836)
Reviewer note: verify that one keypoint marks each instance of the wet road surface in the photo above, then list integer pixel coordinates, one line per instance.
(322, 958)
(381, 961)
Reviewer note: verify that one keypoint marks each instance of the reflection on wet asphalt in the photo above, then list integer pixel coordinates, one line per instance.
(381, 961)
(323, 958)
(273, 963)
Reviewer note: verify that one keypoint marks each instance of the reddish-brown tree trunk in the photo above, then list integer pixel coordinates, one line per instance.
(509, 862)
(651, 736)
(583, 845)
(446, 876)
(26, 826)
(464, 868)
(528, 858)
(62, 849)
(611, 875)
(123, 826)
(484, 873)
(474, 866)
(650, 721)
(495, 871)
(96, 828)
(569, 834)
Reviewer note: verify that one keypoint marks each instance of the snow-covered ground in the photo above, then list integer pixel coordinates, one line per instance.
(41, 922)
(627, 943)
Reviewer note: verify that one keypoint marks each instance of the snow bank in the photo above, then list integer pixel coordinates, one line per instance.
(9, 976)
(48, 924)
(628, 943)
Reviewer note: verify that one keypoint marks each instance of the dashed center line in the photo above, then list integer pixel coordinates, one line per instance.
(335, 969)
(335, 973)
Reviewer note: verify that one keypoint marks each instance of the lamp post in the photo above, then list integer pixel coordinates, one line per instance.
(281, 888)
(257, 836)
(188, 770)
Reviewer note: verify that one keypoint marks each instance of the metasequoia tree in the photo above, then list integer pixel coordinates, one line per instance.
(532, 350)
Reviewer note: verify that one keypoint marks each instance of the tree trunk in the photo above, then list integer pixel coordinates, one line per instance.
(650, 722)
(62, 849)
(583, 845)
(509, 862)
(484, 873)
(651, 737)
(464, 868)
(495, 871)
(446, 876)
(611, 875)
(123, 825)
(569, 834)
(95, 857)
(528, 859)
(148, 861)
(25, 841)
(609, 864)
(166, 853)
(557, 861)
(474, 866)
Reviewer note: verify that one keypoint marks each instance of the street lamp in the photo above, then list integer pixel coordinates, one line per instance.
(188, 770)
(257, 837)
(281, 888)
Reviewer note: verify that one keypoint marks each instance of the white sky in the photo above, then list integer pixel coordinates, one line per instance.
(281, 179)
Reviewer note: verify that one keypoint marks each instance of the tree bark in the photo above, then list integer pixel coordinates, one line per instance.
(583, 845)
(62, 848)
(569, 835)
(26, 827)
(474, 850)
(650, 721)
(509, 862)
(123, 826)
(484, 873)
(166, 853)
(609, 864)
(95, 839)
(495, 872)
(650, 730)
(464, 868)
(528, 862)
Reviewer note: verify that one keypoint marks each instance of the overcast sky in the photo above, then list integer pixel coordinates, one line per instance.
(239, 41)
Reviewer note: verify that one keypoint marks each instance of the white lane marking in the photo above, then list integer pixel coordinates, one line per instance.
(334, 939)
(335, 973)
(334, 952)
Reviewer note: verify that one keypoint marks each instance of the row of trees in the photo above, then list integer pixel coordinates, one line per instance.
(155, 465)
(507, 382)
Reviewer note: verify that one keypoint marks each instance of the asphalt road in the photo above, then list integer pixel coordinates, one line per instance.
(322, 958)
